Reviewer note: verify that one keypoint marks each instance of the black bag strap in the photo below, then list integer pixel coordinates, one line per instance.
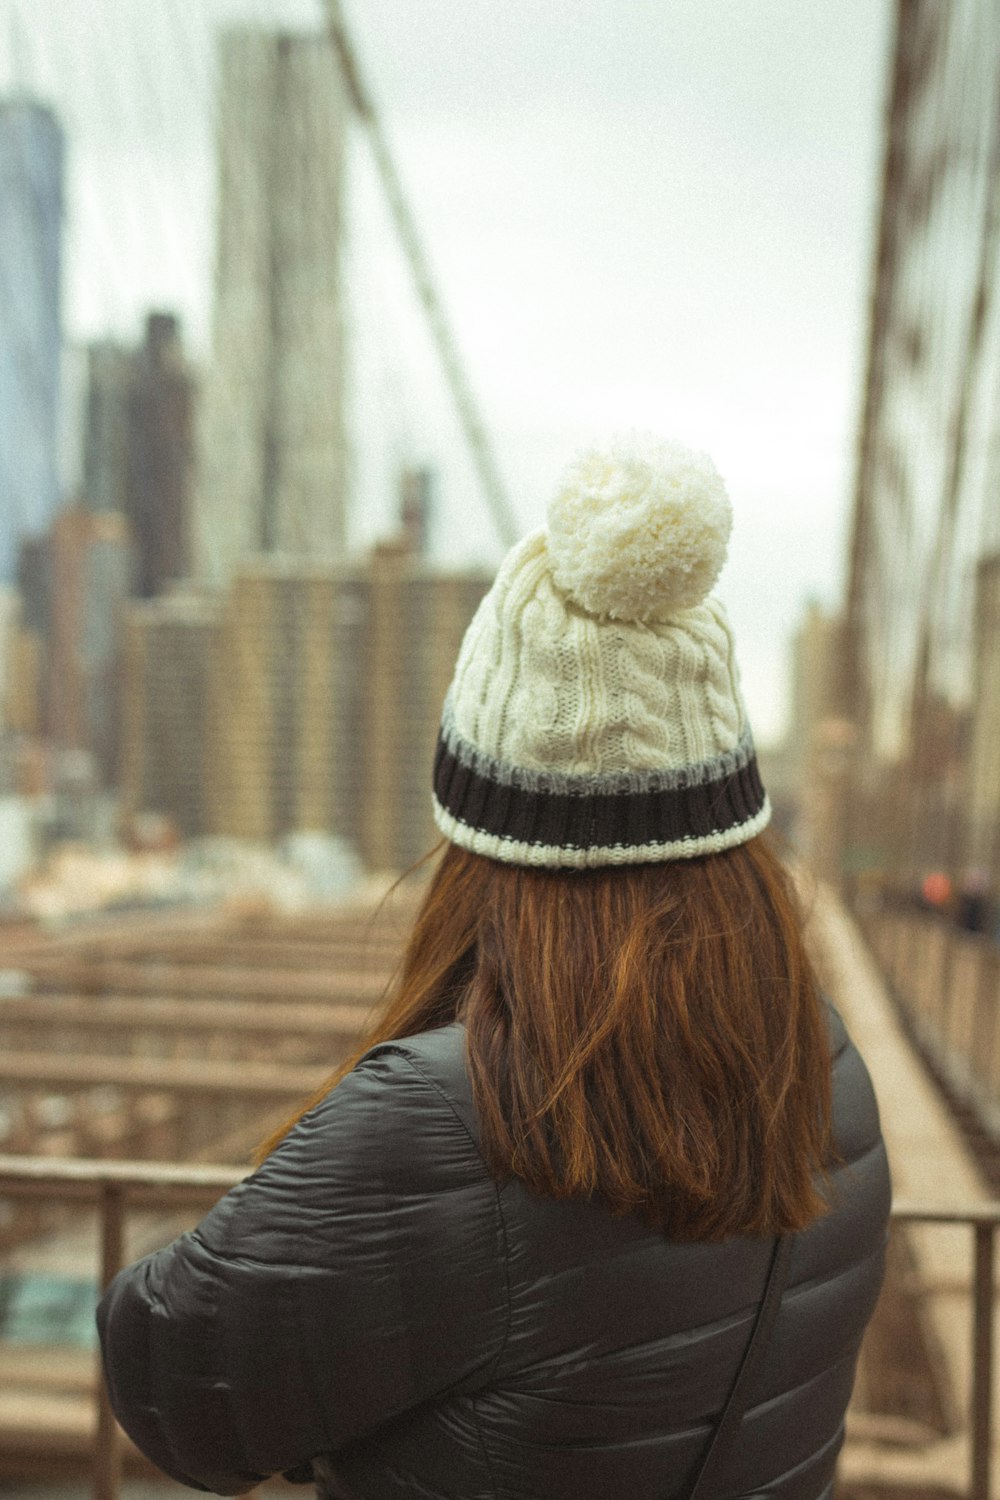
(728, 1425)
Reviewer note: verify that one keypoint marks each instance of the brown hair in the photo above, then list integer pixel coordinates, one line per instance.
(651, 1035)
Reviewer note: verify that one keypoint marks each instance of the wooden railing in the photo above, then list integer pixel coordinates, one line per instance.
(115, 1188)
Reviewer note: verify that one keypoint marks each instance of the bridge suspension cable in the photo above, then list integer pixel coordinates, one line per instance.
(466, 406)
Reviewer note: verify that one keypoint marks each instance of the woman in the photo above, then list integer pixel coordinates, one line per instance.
(519, 1247)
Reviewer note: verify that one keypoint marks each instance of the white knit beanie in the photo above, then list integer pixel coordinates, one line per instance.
(595, 717)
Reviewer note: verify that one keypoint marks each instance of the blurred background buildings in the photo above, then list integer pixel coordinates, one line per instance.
(189, 650)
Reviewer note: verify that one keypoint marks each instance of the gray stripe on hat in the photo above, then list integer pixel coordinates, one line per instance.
(674, 778)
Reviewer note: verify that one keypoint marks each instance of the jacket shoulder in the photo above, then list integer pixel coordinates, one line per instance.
(438, 1058)
(857, 1129)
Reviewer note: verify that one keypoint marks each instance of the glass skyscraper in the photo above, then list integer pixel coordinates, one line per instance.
(32, 157)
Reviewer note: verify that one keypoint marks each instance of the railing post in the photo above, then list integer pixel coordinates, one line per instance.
(983, 1032)
(982, 1363)
(945, 1006)
(107, 1451)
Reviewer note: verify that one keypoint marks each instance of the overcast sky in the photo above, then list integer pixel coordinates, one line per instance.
(654, 213)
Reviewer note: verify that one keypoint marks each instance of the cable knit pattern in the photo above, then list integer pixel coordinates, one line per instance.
(542, 685)
(634, 729)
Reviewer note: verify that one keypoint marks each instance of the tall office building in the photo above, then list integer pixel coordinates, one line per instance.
(91, 566)
(105, 426)
(160, 456)
(271, 466)
(168, 648)
(138, 449)
(815, 689)
(31, 215)
(23, 695)
(286, 700)
(10, 611)
(418, 615)
(30, 675)
(927, 499)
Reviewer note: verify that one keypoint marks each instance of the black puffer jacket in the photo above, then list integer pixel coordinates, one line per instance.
(370, 1294)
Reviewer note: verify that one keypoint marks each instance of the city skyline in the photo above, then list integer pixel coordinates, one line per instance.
(257, 685)
(629, 229)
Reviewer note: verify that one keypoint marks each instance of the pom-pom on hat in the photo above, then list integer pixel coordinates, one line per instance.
(595, 716)
(639, 531)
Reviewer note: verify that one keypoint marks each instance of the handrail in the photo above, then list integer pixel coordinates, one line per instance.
(946, 985)
(985, 1214)
(82, 1177)
(115, 1187)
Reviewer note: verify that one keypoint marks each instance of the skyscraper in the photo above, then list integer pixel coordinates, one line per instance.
(417, 616)
(10, 609)
(31, 211)
(91, 564)
(271, 450)
(168, 649)
(138, 447)
(160, 456)
(286, 702)
(105, 432)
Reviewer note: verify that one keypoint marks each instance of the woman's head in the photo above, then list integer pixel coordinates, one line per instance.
(642, 1019)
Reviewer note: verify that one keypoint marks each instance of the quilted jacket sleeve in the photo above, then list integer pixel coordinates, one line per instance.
(358, 1273)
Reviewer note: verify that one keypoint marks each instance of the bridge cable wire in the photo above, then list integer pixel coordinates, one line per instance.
(473, 427)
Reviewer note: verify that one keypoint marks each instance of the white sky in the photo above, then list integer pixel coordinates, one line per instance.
(655, 213)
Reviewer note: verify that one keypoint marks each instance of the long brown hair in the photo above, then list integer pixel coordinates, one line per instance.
(650, 1035)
